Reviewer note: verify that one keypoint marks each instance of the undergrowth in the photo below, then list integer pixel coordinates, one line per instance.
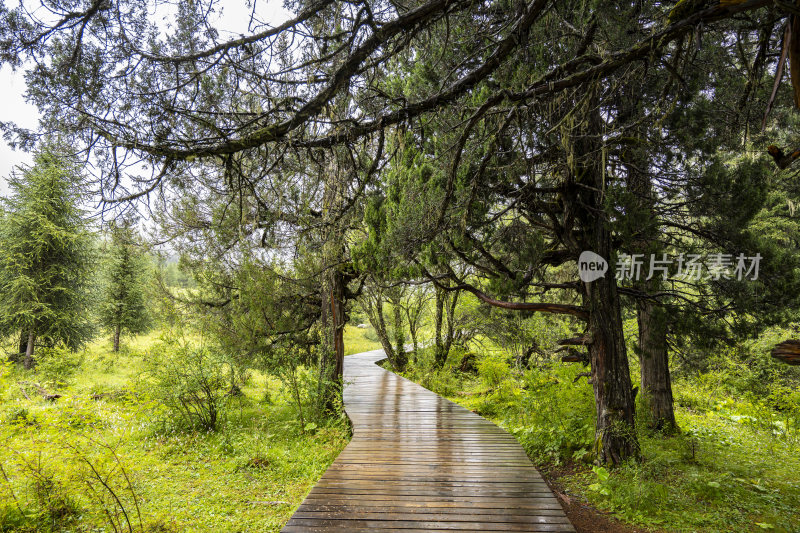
(108, 456)
(733, 466)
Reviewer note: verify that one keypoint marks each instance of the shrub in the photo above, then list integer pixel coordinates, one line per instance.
(57, 365)
(19, 416)
(190, 381)
(492, 370)
(556, 420)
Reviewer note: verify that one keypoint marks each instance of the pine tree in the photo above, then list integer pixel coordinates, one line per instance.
(123, 309)
(45, 253)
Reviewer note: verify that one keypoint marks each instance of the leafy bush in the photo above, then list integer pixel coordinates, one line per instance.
(19, 416)
(492, 370)
(371, 335)
(190, 381)
(442, 381)
(57, 365)
(555, 421)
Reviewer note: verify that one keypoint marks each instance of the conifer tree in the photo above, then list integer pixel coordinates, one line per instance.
(45, 253)
(123, 309)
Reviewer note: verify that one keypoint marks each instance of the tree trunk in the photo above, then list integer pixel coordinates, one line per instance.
(332, 315)
(117, 330)
(653, 353)
(445, 317)
(654, 362)
(28, 361)
(451, 321)
(19, 355)
(615, 434)
(615, 427)
(400, 353)
(332, 362)
(395, 353)
(379, 324)
(439, 354)
(412, 330)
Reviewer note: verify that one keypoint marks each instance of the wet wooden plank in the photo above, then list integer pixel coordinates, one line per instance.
(418, 462)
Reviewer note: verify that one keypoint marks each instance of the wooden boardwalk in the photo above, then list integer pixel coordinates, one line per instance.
(418, 462)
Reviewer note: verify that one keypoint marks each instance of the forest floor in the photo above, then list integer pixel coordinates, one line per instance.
(585, 517)
(248, 475)
(108, 452)
(732, 468)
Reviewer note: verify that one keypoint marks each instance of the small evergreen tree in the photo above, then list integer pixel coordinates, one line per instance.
(123, 309)
(45, 253)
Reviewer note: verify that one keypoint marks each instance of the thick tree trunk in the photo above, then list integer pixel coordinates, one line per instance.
(615, 428)
(615, 434)
(654, 362)
(117, 331)
(333, 322)
(28, 361)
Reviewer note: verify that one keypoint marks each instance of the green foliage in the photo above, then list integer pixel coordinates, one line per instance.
(247, 476)
(123, 307)
(190, 381)
(493, 370)
(45, 253)
(57, 364)
(19, 416)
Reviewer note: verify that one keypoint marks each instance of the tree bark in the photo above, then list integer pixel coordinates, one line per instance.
(446, 302)
(333, 322)
(19, 355)
(412, 330)
(28, 361)
(373, 305)
(615, 434)
(654, 362)
(439, 354)
(401, 355)
(615, 426)
(332, 315)
(117, 331)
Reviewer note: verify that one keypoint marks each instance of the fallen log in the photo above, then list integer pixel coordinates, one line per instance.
(787, 352)
(582, 340)
(48, 396)
(573, 355)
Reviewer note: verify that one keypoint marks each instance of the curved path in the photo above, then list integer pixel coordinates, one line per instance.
(418, 462)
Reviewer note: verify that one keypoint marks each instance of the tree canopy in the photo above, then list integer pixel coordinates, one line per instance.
(478, 147)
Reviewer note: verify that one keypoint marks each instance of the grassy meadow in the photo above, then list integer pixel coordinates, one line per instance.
(108, 456)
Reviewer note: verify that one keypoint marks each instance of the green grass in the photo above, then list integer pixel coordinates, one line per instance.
(249, 475)
(733, 468)
(357, 340)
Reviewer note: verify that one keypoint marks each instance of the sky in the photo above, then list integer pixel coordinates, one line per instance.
(13, 107)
